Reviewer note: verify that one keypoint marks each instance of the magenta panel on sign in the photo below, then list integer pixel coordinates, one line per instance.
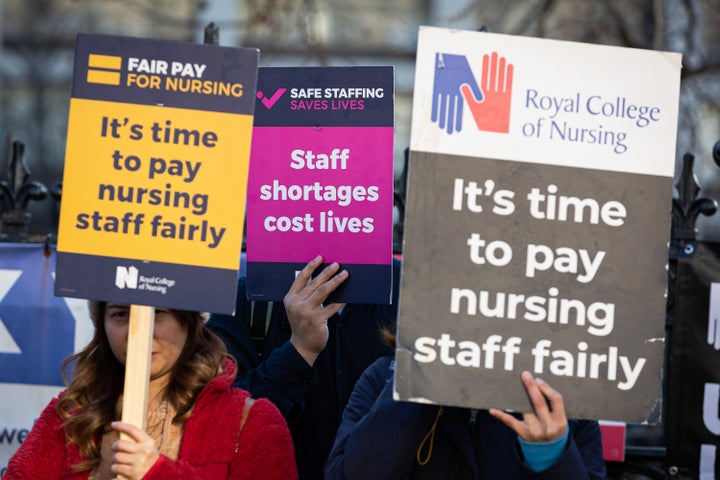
(321, 190)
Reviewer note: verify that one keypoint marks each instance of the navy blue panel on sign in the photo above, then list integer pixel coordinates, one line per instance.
(325, 96)
(37, 329)
(366, 283)
(165, 73)
(158, 284)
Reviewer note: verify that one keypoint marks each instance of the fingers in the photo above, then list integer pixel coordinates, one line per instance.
(443, 112)
(305, 274)
(332, 308)
(544, 398)
(548, 421)
(554, 398)
(308, 294)
(321, 286)
(453, 100)
(508, 420)
(134, 433)
(492, 84)
(469, 95)
(327, 282)
(133, 457)
(509, 79)
(306, 310)
(497, 74)
(540, 405)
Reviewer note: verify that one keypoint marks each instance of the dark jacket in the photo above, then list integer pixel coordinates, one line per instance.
(311, 398)
(379, 439)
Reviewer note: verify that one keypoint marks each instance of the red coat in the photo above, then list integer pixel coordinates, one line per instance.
(207, 449)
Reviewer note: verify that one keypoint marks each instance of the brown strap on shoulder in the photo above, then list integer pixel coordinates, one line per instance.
(249, 401)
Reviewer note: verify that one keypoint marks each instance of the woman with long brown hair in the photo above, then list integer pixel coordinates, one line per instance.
(197, 425)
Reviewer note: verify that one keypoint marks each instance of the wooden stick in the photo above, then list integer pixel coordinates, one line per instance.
(137, 365)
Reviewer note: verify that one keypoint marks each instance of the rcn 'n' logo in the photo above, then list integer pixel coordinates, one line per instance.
(488, 101)
(126, 277)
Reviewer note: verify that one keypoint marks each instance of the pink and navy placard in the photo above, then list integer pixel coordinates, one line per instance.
(321, 179)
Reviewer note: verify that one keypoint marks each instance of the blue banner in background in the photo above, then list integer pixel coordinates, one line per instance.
(37, 329)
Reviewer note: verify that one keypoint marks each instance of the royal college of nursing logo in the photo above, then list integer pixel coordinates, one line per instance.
(129, 277)
(455, 85)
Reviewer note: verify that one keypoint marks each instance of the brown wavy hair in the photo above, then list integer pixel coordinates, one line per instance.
(91, 401)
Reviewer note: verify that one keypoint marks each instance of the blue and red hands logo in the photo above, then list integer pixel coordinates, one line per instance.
(489, 102)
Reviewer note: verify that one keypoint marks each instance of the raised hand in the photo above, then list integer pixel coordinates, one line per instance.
(547, 422)
(305, 310)
(451, 71)
(492, 113)
(135, 456)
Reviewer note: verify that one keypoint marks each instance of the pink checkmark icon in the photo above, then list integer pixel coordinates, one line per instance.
(269, 102)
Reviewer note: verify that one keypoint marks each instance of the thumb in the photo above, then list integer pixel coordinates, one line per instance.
(472, 93)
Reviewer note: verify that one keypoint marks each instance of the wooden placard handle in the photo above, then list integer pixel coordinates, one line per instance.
(137, 366)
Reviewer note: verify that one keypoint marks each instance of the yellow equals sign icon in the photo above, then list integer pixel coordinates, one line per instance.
(106, 65)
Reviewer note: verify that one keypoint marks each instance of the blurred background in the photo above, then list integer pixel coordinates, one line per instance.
(36, 57)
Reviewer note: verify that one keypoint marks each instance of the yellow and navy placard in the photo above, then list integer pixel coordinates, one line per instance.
(155, 173)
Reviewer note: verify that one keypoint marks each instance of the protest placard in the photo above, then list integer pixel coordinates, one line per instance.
(321, 179)
(537, 228)
(155, 172)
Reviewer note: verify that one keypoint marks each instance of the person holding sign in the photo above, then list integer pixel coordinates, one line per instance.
(197, 425)
(306, 356)
(381, 438)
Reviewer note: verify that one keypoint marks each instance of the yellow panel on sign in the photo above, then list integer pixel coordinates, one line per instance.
(155, 183)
